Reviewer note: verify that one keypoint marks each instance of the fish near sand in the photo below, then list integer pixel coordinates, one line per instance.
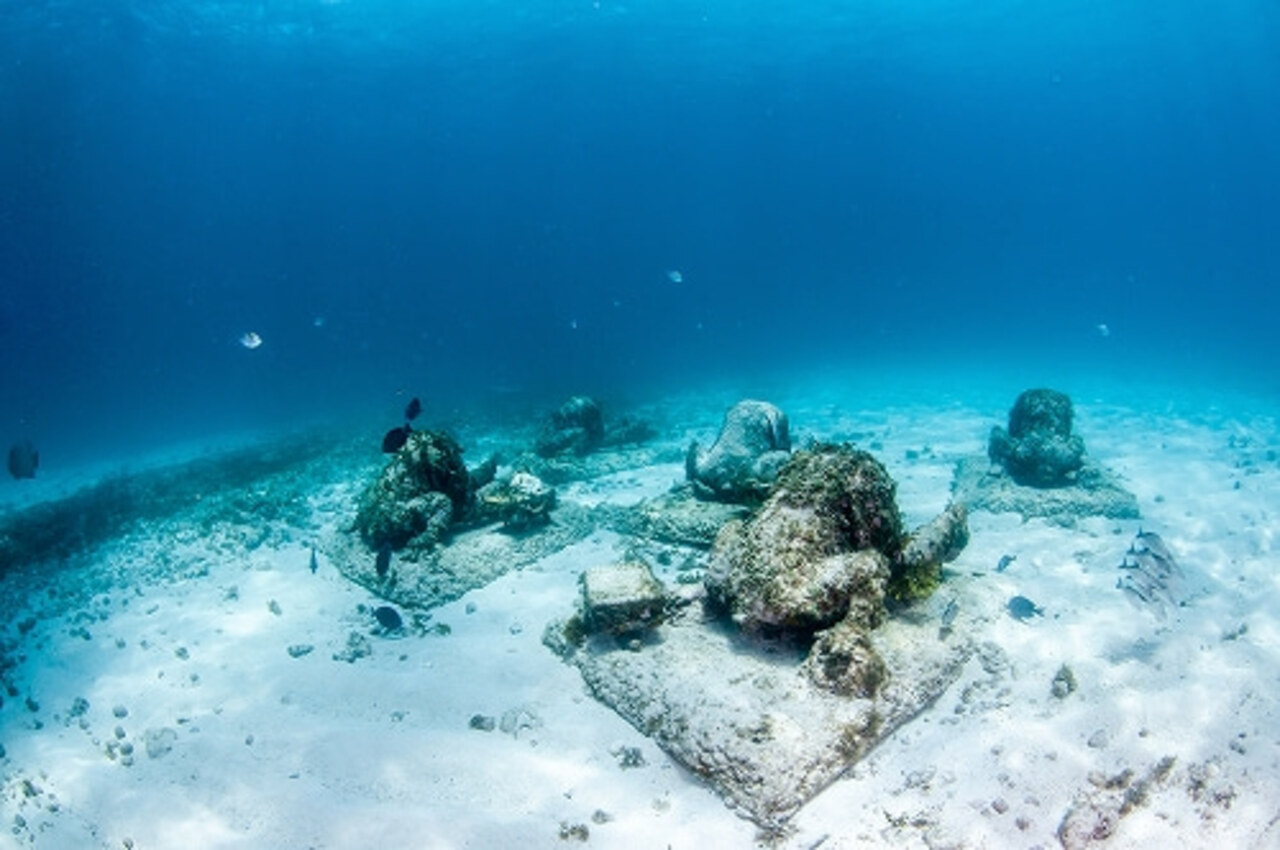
(1150, 576)
(23, 460)
(949, 614)
(1022, 609)
(1149, 541)
(388, 618)
(315, 564)
(394, 440)
(1005, 561)
(412, 409)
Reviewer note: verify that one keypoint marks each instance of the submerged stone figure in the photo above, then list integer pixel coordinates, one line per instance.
(1038, 468)
(741, 466)
(423, 490)
(521, 502)
(815, 565)
(1039, 449)
(828, 545)
(577, 427)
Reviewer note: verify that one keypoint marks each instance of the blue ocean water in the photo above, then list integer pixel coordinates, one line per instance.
(483, 203)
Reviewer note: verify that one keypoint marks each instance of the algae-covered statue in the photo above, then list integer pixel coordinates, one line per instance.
(1039, 448)
(753, 444)
(822, 557)
(1038, 467)
(577, 427)
(424, 489)
(813, 671)
(521, 502)
(826, 546)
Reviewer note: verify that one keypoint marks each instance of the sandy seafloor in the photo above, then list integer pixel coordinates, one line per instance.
(176, 642)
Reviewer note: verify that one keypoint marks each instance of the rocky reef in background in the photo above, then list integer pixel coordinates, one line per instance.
(264, 483)
(576, 441)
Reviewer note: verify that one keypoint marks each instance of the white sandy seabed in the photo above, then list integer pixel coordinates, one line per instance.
(189, 713)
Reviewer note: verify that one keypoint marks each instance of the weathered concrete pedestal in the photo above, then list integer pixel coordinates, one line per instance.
(742, 715)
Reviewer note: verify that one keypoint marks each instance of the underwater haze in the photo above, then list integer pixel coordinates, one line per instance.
(477, 202)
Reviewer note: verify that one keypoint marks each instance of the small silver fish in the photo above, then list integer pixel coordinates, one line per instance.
(949, 614)
(1152, 564)
(1149, 541)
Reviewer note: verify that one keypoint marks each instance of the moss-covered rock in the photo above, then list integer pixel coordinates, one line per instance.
(828, 546)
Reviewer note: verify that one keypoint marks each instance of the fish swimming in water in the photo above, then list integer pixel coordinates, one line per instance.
(250, 340)
(1149, 541)
(1005, 561)
(23, 460)
(394, 440)
(1150, 575)
(949, 614)
(383, 562)
(315, 565)
(388, 618)
(1021, 608)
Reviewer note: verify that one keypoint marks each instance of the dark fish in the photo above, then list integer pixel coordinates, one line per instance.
(412, 410)
(949, 614)
(1022, 608)
(315, 565)
(23, 460)
(388, 618)
(383, 561)
(394, 440)
(1005, 561)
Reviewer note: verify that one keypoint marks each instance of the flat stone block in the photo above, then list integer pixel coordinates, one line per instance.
(621, 598)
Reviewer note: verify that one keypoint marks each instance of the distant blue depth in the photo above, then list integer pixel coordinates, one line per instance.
(468, 201)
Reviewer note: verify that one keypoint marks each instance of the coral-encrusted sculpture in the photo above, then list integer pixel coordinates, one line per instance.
(821, 544)
(577, 427)
(1039, 449)
(423, 490)
(522, 502)
(821, 557)
(753, 444)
